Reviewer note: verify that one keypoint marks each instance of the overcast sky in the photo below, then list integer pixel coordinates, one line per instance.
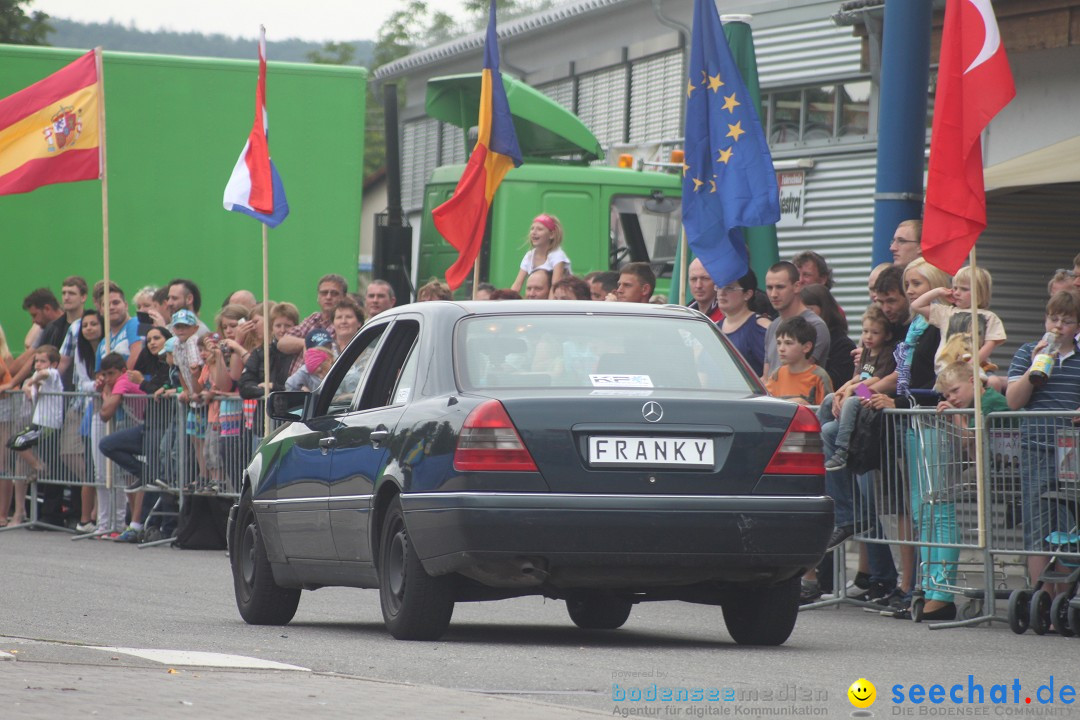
(316, 20)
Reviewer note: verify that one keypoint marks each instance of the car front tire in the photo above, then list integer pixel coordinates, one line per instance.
(598, 611)
(763, 615)
(260, 600)
(415, 605)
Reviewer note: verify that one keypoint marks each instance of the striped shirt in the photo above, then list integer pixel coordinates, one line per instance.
(1060, 393)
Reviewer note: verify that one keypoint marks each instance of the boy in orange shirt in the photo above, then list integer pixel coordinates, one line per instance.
(798, 378)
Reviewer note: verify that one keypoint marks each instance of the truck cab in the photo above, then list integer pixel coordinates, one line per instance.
(610, 215)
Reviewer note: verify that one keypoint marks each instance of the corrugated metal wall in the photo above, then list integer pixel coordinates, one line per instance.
(561, 91)
(452, 146)
(656, 96)
(419, 156)
(805, 53)
(1029, 235)
(601, 104)
(839, 225)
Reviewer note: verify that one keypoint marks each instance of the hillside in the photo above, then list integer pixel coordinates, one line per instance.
(114, 36)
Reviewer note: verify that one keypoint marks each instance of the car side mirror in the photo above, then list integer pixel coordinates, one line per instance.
(288, 405)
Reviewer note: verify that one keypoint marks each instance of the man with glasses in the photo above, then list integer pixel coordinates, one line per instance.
(703, 290)
(331, 289)
(907, 243)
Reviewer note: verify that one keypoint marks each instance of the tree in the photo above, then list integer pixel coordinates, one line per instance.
(414, 27)
(333, 53)
(480, 7)
(18, 28)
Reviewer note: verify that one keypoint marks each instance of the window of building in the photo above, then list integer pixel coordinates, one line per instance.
(819, 113)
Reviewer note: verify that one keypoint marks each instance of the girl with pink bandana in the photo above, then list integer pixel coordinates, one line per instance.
(545, 236)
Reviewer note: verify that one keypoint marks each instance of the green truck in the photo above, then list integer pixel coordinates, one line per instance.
(175, 127)
(610, 215)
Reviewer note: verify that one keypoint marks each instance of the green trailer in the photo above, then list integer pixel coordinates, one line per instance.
(610, 215)
(175, 127)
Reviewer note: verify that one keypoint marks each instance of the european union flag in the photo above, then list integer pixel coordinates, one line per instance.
(728, 176)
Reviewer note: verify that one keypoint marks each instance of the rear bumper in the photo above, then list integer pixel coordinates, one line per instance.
(604, 540)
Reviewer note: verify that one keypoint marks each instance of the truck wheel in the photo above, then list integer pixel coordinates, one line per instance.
(598, 611)
(260, 600)
(763, 615)
(415, 605)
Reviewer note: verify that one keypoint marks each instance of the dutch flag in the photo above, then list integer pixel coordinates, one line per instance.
(255, 187)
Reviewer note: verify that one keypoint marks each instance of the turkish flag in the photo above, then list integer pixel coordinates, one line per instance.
(974, 84)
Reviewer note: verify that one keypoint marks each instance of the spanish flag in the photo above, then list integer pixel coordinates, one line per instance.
(461, 220)
(49, 131)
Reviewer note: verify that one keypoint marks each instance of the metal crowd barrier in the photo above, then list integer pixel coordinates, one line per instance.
(180, 449)
(926, 499)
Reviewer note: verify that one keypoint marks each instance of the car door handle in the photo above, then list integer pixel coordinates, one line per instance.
(377, 436)
(326, 443)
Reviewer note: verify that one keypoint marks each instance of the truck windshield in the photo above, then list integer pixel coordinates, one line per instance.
(643, 230)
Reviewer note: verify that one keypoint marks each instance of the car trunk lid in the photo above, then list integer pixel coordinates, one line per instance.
(606, 441)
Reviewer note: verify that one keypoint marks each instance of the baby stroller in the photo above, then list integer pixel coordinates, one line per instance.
(1035, 608)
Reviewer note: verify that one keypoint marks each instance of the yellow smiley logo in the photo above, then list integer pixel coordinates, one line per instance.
(862, 693)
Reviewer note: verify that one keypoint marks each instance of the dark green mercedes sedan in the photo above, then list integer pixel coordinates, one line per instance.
(604, 454)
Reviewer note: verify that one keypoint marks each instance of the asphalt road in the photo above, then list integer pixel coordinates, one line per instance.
(61, 597)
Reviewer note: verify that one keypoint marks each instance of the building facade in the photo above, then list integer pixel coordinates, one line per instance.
(618, 64)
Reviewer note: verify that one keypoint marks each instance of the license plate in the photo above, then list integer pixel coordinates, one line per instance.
(667, 451)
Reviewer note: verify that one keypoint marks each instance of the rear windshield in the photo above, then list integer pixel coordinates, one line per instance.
(602, 352)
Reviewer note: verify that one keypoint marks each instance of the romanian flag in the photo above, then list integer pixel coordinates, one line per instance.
(461, 220)
(49, 132)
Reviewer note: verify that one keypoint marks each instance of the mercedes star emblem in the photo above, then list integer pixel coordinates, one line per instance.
(652, 411)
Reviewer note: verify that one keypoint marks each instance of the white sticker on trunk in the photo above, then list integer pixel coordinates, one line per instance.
(618, 380)
(622, 392)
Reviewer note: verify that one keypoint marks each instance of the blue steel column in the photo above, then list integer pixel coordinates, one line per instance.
(905, 77)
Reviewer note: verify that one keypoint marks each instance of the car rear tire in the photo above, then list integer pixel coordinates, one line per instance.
(415, 605)
(763, 615)
(598, 611)
(261, 601)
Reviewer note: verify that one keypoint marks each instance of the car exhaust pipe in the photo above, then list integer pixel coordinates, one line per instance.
(530, 569)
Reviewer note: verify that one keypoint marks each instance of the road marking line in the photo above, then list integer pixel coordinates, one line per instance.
(192, 658)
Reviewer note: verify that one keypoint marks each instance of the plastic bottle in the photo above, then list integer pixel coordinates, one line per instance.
(1043, 364)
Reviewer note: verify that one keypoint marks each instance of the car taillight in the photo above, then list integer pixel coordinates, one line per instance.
(489, 441)
(800, 452)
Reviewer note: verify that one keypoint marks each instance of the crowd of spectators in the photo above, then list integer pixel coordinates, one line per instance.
(791, 332)
(916, 337)
(123, 393)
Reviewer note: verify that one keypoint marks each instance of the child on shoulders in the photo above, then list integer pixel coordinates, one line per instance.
(545, 236)
(955, 317)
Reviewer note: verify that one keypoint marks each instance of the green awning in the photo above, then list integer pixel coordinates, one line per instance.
(544, 127)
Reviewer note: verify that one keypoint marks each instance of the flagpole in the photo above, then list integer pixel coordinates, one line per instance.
(104, 194)
(107, 283)
(475, 275)
(266, 329)
(976, 367)
(684, 250)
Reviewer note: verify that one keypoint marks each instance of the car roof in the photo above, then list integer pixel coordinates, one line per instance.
(445, 308)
